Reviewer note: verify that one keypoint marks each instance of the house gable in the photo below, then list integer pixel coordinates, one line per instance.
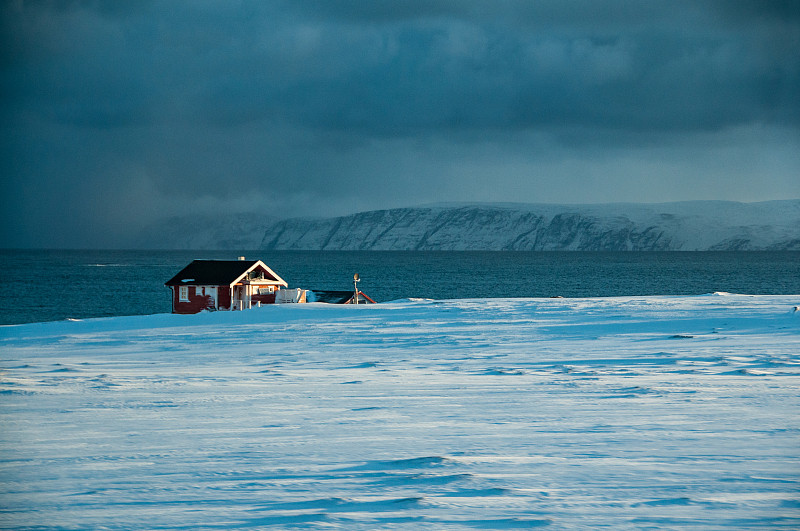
(260, 273)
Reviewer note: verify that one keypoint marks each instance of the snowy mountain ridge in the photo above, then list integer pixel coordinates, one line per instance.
(679, 226)
(700, 225)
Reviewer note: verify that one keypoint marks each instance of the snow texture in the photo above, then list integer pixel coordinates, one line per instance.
(624, 413)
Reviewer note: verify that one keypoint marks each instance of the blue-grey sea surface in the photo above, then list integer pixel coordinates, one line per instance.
(50, 285)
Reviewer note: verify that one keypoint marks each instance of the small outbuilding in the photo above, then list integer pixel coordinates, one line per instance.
(223, 285)
(338, 297)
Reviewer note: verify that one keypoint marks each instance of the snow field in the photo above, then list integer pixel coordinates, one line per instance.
(651, 412)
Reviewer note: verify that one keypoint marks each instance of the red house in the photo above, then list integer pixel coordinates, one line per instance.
(223, 285)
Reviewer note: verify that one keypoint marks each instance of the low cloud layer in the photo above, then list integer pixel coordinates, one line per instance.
(117, 114)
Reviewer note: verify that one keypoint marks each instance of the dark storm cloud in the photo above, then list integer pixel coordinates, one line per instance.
(389, 66)
(115, 112)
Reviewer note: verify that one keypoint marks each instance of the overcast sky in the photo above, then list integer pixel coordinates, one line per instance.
(115, 114)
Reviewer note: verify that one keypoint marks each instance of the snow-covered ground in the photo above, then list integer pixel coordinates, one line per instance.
(651, 412)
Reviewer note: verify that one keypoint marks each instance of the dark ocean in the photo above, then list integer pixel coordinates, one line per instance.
(50, 285)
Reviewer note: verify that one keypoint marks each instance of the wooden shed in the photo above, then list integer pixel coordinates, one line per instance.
(223, 285)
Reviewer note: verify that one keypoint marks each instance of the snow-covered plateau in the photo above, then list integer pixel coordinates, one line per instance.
(683, 226)
(619, 413)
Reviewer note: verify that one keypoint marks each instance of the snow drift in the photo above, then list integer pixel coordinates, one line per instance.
(676, 412)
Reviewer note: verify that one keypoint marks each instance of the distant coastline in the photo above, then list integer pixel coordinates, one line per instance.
(679, 226)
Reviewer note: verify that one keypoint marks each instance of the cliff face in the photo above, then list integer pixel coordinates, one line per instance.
(688, 226)
(676, 226)
(467, 228)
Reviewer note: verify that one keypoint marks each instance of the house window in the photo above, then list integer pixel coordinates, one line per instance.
(199, 290)
(267, 290)
(184, 293)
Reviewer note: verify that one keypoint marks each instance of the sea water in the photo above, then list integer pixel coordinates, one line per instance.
(49, 285)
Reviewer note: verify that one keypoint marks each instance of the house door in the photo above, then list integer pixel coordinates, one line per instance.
(241, 298)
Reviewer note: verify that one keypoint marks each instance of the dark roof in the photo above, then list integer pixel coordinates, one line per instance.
(338, 297)
(211, 272)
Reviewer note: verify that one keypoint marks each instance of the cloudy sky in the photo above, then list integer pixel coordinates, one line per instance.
(115, 114)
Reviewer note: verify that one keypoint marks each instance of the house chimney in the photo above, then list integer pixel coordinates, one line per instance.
(241, 258)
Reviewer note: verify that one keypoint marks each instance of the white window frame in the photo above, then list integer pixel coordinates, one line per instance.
(183, 293)
(270, 289)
